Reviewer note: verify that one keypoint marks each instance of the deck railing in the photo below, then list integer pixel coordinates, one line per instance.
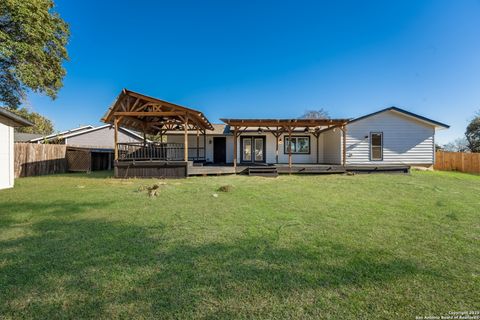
(158, 151)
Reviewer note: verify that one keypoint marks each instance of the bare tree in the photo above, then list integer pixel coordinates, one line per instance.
(457, 145)
(316, 114)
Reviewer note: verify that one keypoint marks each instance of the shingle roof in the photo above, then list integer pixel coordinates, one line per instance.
(17, 120)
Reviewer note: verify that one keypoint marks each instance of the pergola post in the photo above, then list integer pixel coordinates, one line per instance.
(317, 136)
(276, 146)
(290, 148)
(235, 148)
(205, 145)
(185, 139)
(198, 144)
(115, 138)
(144, 135)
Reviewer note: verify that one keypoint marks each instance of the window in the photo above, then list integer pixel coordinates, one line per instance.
(300, 145)
(376, 146)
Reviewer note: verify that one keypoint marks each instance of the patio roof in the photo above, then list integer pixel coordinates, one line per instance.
(291, 123)
(151, 115)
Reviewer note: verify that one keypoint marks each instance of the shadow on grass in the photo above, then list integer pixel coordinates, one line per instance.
(95, 268)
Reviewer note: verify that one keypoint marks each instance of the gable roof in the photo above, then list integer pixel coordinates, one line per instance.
(144, 113)
(15, 120)
(407, 113)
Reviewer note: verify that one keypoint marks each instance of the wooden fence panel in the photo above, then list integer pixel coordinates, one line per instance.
(457, 161)
(39, 159)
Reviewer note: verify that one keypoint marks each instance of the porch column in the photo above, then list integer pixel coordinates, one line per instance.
(276, 147)
(185, 139)
(198, 144)
(144, 135)
(235, 149)
(115, 138)
(290, 148)
(317, 135)
(205, 145)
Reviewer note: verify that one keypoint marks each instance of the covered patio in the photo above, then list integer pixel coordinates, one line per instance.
(154, 117)
(289, 128)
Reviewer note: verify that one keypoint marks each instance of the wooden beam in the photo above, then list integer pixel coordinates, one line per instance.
(115, 137)
(185, 139)
(149, 113)
(198, 142)
(276, 146)
(235, 129)
(290, 148)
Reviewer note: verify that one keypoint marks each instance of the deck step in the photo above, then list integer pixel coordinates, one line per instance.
(266, 171)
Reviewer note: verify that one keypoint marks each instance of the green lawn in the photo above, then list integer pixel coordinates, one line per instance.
(344, 247)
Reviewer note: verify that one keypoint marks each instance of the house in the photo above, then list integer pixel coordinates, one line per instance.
(90, 148)
(100, 137)
(391, 138)
(25, 137)
(8, 121)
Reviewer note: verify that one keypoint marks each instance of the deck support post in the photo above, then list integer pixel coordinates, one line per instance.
(235, 132)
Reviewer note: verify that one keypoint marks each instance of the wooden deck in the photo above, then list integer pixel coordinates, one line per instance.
(296, 169)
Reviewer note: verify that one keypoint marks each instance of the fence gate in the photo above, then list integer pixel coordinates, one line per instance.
(79, 160)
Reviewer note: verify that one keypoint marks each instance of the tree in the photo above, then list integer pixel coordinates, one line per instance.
(457, 145)
(33, 41)
(473, 133)
(42, 124)
(316, 114)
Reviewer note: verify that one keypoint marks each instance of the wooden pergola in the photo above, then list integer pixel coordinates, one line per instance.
(289, 126)
(150, 115)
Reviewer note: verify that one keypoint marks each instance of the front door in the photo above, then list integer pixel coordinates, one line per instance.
(253, 149)
(219, 152)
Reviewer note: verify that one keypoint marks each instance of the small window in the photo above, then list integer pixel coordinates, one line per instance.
(300, 145)
(376, 146)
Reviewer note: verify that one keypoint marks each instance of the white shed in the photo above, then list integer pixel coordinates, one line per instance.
(8, 121)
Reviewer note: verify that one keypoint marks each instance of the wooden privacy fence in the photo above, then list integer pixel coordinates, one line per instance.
(39, 159)
(458, 161)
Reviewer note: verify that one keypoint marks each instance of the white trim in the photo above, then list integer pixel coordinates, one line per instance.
(53, 135)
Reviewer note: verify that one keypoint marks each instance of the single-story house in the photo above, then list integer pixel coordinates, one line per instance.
(384, 139)
(88, 136)
(90, 148)
(8, 121)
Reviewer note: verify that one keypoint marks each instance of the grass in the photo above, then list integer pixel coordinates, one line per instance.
(344, 247)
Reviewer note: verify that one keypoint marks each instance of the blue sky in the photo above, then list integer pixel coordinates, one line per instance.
(273, 58)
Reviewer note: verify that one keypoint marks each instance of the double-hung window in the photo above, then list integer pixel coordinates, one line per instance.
(376, 146)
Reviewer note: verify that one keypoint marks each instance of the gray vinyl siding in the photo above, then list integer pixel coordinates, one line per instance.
(102, 138)
(405, 140)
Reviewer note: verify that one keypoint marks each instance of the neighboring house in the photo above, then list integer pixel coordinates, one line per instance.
(25, 137)
(90, 137)
(8, 121)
